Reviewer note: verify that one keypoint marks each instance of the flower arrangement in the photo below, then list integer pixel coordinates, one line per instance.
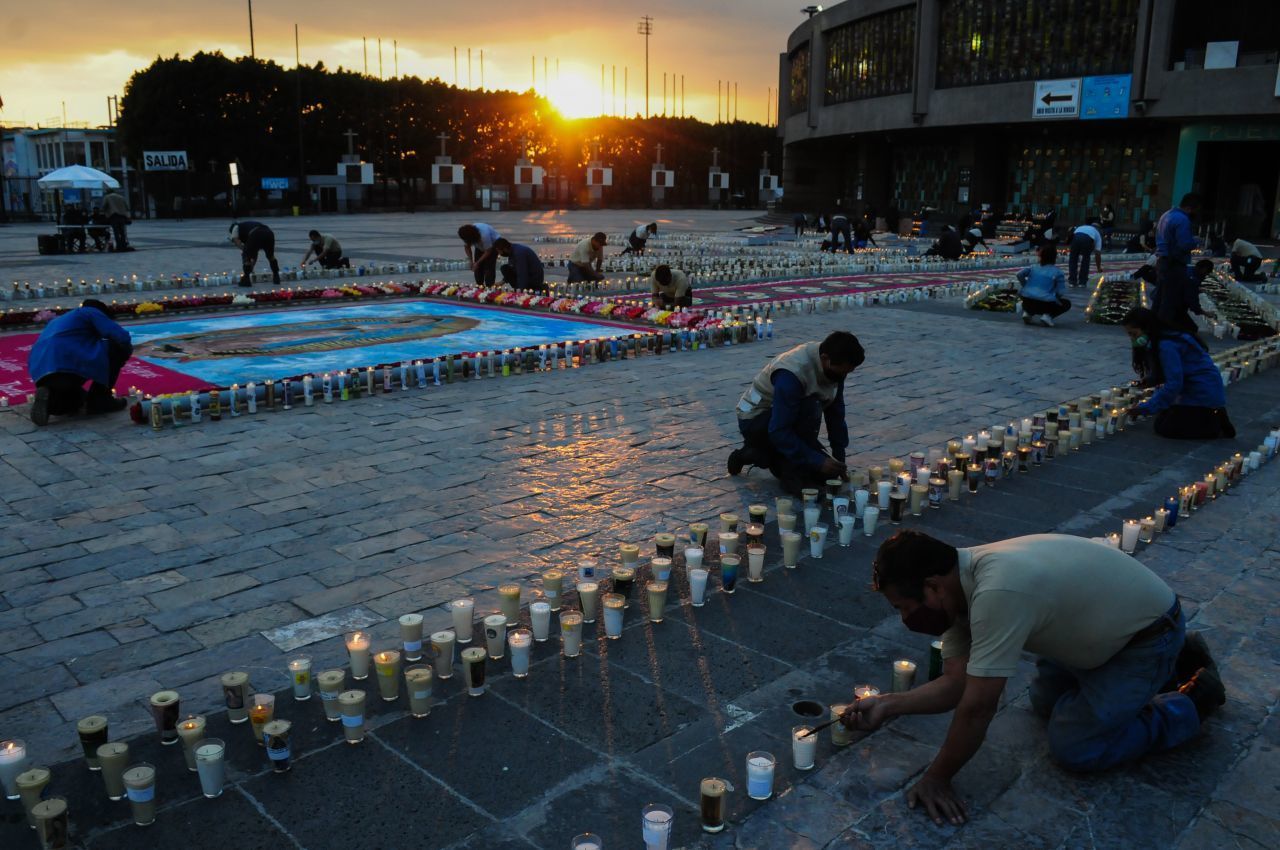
(148, 307)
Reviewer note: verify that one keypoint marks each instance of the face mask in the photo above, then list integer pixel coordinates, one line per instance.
(927, 621)
(1140, 342)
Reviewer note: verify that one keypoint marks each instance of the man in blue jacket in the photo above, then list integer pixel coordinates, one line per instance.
(1176, 291)
(782, 411)
(524, 269)
(85, 344)
(1190, 402)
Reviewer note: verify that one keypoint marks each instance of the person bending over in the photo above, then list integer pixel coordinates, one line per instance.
(251, 237)
(781, 413)
(1085, 240)
(587, 260)
(327, 251)
(524, 271)
(1117, 674)
(478, 240)
(671, 288)
(1246, 259)
(85, 344)
(639, 237)
(1044, 288)
(1190, 402)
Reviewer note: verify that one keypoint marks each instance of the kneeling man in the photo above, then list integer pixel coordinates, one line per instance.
(1117, 674)
(85, 344)
(782, 412)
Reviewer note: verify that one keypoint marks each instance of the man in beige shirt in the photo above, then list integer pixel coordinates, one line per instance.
(671, 288)
(587, 260)
(1117, 674)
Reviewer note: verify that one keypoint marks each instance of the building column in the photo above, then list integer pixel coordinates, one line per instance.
(926, 59)
(817, 71)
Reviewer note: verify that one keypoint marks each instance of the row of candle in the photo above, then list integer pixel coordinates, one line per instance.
(344, 385)
(1192, 497)
(133, 283)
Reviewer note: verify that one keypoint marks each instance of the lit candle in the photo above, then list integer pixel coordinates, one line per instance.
(1129, 536)
(13, 760)
(1162, 520)
(904, 675)
(190, 731)
(1147, 529)
(300, 674)
(387, 665)
(862, 691)
(358, 648)
(261, 712)
(804, 746)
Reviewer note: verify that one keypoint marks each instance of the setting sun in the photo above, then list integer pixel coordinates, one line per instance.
(575, 96)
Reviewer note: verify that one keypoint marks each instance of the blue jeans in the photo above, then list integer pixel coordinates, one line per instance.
(1115, 713)
(1078, 265)
(760, 450)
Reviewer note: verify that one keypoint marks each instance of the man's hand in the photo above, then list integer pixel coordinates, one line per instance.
(866, 714)
(939, 800)
(832, 467)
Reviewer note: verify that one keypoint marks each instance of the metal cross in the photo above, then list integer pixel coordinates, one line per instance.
(351, 142)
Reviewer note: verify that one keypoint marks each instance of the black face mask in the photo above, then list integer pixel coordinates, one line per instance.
(927, 621)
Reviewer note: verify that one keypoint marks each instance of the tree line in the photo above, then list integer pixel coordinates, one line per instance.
(276, 121)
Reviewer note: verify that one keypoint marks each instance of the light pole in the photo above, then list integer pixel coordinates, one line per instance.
(645, 28)
(252, 54)
(811, 10)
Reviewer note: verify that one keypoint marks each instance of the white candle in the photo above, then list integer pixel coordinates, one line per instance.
(13, 760)
(1162, 519)
(693, 557)
(882, 494)
(904, 675)
(211, 766)
(1129, 536)
(300, 672)
(869, 518)
(804, 747)
(358, 649)
(463, 610)
(540, 617)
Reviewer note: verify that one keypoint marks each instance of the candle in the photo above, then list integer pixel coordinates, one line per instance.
(330, 683)
(113, 757)
(93, 734)
(387, 665)
(804, 747)
(509, 603)
(358, 649)
(352, 705)
(553, 582)
(31, 784)
(164, 710)
(49, 819)
(276, 736)
(1129, 536)
(463, 614)
(954, 479)
(495, 635)
(1147, 529)
(442, 651)
(473, 669)
(300, 674)
(883, 488)
(863, 691)
(211, 766)
(261, 711)
(417, 681)
(571, 633)
(1162, 520)
(140, 785)
(540, 618)
(760, 767)
(190, 731)
(13, 760)
(411, 636)
(869, 519)
(904, 675)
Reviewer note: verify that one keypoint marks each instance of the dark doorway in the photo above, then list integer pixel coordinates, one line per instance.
(1239, 183)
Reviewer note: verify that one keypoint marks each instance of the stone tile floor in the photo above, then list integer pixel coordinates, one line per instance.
(133, 560)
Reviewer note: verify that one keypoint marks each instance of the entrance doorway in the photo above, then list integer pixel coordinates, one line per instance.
(1239, 182)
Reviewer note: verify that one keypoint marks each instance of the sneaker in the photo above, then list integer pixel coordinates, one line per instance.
(1046, 320)
(735, 462)
(1206, 692)
(40, 407)
(1194, 655)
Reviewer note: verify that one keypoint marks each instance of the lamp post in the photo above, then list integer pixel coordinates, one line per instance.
(645, 28)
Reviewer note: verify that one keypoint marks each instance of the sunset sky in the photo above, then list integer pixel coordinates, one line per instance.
(65, 50)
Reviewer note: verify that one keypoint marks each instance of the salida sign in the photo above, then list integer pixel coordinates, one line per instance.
(164, 160)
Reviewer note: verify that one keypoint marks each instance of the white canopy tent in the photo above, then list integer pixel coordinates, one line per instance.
(78, 177)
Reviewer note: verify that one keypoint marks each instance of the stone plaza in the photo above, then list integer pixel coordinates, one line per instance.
(135, 560)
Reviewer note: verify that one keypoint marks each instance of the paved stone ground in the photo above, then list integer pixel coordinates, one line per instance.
(133, 561)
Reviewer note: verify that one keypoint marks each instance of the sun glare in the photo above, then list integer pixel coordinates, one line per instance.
(574, 96)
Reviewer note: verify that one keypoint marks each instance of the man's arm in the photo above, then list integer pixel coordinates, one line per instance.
(1185, 239)
(837, 428)
(109, 328)
(311, 249)
(968, 729)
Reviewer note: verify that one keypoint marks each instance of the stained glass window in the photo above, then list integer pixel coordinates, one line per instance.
(798, 88)
(1077, 175)
(871, 57)
(1003, 41)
